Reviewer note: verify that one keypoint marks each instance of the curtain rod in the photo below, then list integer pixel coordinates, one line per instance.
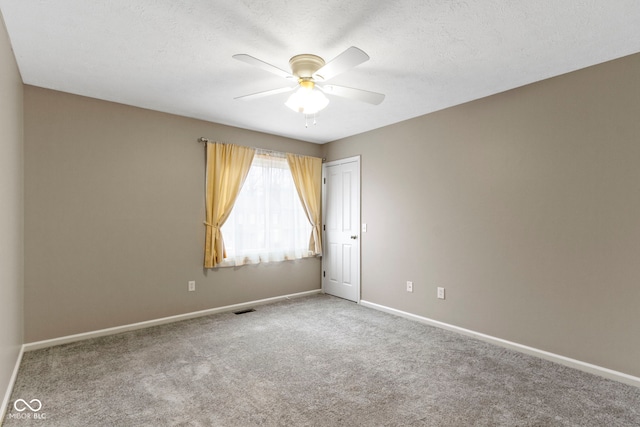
(205, 140)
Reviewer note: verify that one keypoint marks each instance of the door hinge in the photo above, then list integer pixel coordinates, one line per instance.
(324, 227)
(324, 274)
(324, 180)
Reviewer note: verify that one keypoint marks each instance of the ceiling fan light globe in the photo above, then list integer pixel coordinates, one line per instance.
(307, 101)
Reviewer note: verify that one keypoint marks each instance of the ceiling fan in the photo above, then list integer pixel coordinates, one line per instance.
(308, 71)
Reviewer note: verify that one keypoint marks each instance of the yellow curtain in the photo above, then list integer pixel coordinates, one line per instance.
(307, 176)
(227, 168)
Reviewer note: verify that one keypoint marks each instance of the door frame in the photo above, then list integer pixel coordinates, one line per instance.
(358, 201)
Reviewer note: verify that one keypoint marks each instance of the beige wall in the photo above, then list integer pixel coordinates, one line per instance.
(525, 206)
(11, 211)
(114, 204)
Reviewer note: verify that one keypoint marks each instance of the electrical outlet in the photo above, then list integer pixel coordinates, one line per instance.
(192, 285)
(441, 293)
(409, 286)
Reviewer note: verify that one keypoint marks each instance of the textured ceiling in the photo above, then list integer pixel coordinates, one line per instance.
(176, 55)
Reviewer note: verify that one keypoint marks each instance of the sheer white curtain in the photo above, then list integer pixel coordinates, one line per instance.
(267, 222)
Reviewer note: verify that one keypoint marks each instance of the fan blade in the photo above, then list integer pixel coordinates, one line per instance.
(265, 93)
(341, 63)
(261, 64)
(351, 93)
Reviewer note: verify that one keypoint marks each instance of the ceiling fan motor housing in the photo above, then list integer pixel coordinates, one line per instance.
(305, 65)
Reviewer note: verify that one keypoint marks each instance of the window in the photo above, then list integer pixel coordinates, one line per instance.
(267, 222)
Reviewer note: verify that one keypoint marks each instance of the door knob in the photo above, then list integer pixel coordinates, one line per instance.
(354, 237)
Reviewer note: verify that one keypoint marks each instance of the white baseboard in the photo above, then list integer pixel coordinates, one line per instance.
(12, 381)
(36, 345)
(566, 361)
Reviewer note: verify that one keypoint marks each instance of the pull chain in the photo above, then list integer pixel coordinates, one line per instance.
(306, 120)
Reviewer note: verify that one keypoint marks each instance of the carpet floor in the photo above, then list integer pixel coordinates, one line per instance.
(313, 361)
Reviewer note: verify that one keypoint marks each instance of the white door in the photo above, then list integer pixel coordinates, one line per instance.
(341, 219)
